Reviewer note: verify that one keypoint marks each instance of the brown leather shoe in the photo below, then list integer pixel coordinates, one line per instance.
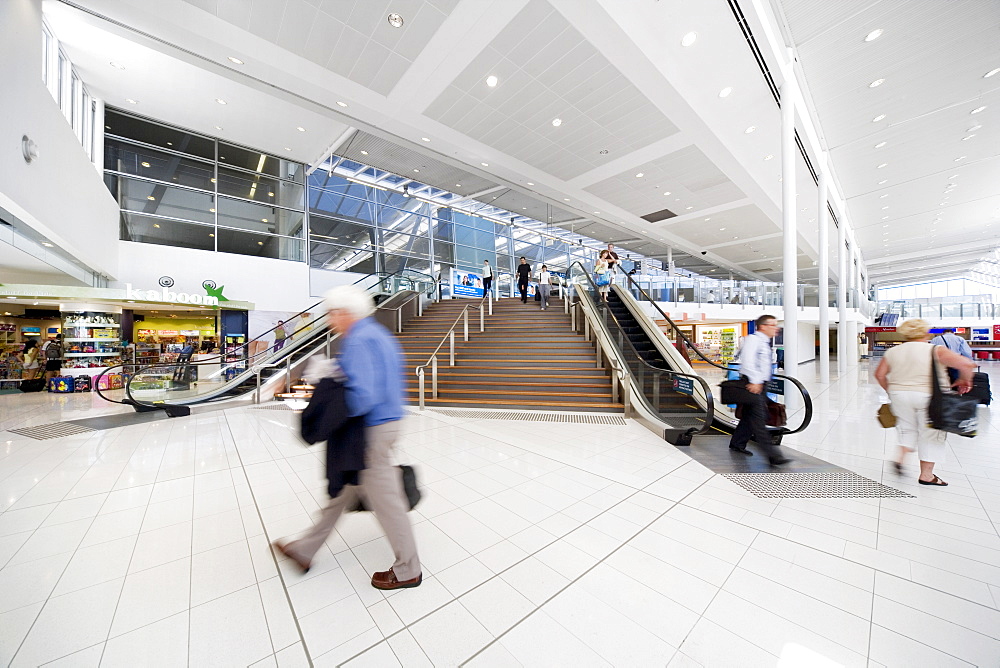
(387, 580)
(283, 548)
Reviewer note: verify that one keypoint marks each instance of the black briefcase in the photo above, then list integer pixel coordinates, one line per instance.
(981, 388)
(409, 476)
(735, 392)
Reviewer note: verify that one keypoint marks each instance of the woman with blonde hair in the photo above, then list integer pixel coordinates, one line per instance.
(905, 373)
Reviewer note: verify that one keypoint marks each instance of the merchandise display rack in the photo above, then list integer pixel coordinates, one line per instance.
(91, 341)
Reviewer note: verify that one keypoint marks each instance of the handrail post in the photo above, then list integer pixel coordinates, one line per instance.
(465, 328)
(482, 319)
(599, 348)
(288, 374)
(614, 383)
(491, 300)
(434, 376)
(451, 346)
(586, 329)
(420, 389)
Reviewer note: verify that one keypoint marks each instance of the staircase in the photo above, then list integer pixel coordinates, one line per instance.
(526, 359)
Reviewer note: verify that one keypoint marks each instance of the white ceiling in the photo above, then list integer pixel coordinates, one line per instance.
(631, 100)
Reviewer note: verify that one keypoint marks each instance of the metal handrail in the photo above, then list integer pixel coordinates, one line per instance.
(806, 398)
(450, 336)
(706, 388)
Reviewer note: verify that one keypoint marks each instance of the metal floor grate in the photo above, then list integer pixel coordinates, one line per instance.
(813, 486)
(44, 432)
(584, 418)
(278, 406)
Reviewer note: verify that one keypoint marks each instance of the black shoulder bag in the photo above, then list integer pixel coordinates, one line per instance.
(951, 412)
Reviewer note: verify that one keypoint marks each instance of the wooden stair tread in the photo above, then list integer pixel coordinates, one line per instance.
(500, 402)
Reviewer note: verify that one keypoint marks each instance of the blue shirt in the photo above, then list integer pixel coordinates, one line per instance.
(954, 343)
(755, 358)
(371, 359)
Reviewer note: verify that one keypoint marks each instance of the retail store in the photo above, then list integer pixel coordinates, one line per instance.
(121, 330)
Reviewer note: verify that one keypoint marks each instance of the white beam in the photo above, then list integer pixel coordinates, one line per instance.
(790, 237)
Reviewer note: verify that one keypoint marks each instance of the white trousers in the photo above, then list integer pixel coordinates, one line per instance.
(910, 409)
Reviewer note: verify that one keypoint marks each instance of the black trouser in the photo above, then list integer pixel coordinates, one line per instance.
(487, 284)
(522, 286)
(754, 424)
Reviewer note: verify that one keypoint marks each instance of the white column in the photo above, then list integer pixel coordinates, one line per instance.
(824, 276)
(842, 298)
(790, 273)
(97, 150)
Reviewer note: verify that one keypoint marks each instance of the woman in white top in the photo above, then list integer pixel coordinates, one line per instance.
(544, 286)
(29, 358)
(602, 268)
(905, 373)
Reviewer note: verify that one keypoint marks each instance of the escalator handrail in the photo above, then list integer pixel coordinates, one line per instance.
(106, 372)
(706, 388)
(806, 398)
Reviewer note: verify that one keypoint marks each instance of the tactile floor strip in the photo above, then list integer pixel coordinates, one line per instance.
(279, 406)
(585, 418)
(813, 486)
(44, 432)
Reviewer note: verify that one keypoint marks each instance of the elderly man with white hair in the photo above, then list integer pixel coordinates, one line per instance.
(371, 360)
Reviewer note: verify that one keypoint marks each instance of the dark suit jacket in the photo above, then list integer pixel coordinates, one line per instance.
(325, 419)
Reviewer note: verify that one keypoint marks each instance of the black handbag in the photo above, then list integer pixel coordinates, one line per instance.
(409, 486)
(736, 392)
(953, 413)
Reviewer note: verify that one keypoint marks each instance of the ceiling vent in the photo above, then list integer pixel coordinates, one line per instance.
(659, 215)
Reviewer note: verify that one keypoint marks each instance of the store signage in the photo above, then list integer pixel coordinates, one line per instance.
(879, 329)
(168, 332)
(165, 295)
(7, 327)
(775, 386)
(684, 385)
(996, 332)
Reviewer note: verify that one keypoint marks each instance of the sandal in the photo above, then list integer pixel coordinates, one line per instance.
(936, 481)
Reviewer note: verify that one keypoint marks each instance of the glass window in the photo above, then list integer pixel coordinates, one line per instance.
(147, 230)
(394, 263)
(466, 257)
(403, 221)
(159, 199)
(443, 230)
(337, 184)
(342, 232)
(146, 132)
(260, 245)
(62, 73)
(395, 242)
(45, 55)
(260, 188)
(262, 163)
(259, 218)
(340, 258)
(341, 206)
(444, 252)
(120, 156)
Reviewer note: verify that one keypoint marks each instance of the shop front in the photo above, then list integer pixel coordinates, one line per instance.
(121, 330)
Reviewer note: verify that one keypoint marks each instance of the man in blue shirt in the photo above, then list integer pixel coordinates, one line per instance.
(371, 360)
(755, 367)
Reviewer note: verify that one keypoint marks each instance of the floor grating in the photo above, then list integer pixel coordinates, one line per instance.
(585, 418)
(278, 406)
(44, 432)
(813, 486)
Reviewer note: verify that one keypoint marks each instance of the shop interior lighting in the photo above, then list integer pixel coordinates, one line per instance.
(883, 181)
(689, 39)
(873, 35)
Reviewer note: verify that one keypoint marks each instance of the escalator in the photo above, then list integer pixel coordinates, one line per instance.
(669, 394)
(257, 370)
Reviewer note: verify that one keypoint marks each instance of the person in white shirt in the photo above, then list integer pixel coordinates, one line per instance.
(544, 286)
(711, 297)
(487, 277)
(755, 368)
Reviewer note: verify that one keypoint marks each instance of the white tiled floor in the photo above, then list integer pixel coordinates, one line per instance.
(543, 544)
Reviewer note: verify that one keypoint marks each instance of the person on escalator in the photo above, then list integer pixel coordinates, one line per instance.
(755, 369)
(602, 275)
(523, 276)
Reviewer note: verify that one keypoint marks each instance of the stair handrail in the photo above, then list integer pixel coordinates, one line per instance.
(806, 398)
(432, 361)
(606, 330)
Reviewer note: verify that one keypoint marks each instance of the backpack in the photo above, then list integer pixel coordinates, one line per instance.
(53, 351)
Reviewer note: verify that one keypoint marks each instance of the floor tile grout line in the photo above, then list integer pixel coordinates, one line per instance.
(277, 567)
(920, 642)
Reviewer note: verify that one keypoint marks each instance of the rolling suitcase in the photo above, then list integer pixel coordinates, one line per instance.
(981, 388)
(32, 385)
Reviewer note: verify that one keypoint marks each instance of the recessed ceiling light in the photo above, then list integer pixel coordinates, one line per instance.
(961, 157)
(145, 164)
(883, 181)
(688, 208)
(270, 194)
(130, 100)
(260, 243)
(395, 20)
(876, 83)
(263, 220)
(878, 118)
(218, 127)
(485, 164)
(156, 224)
(968, 137)
(749, 130)
(873, 35)
(880, 144)
(151, 198)
(689, 39)
(211, 235)
(884, 219)
(211, 210)
(565, 199)
(364, 152)
(991, 73)
(722, 229)
(884, 164)
(639, 175)
(725, 91)
(341, 104)
(556, 122)
(492, 81)
(953, 176)
(220, 100)
(118, 66)
(978, 109)
(884, 208)
(883, 196)
(300, 129)
(47, 244)
(288, 148)
(768, 157)
(597, 212)
(235, 61)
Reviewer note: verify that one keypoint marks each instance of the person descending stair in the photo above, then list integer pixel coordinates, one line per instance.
(523, 276)
(544, 286)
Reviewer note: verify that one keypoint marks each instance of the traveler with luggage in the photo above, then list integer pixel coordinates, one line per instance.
(905, 373)
(52, 351)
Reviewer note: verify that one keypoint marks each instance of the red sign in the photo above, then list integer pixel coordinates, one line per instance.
(879, 329)
(996, 332)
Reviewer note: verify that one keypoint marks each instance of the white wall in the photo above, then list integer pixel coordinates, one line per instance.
(272, 285)
(807, 342)
(60, 194)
